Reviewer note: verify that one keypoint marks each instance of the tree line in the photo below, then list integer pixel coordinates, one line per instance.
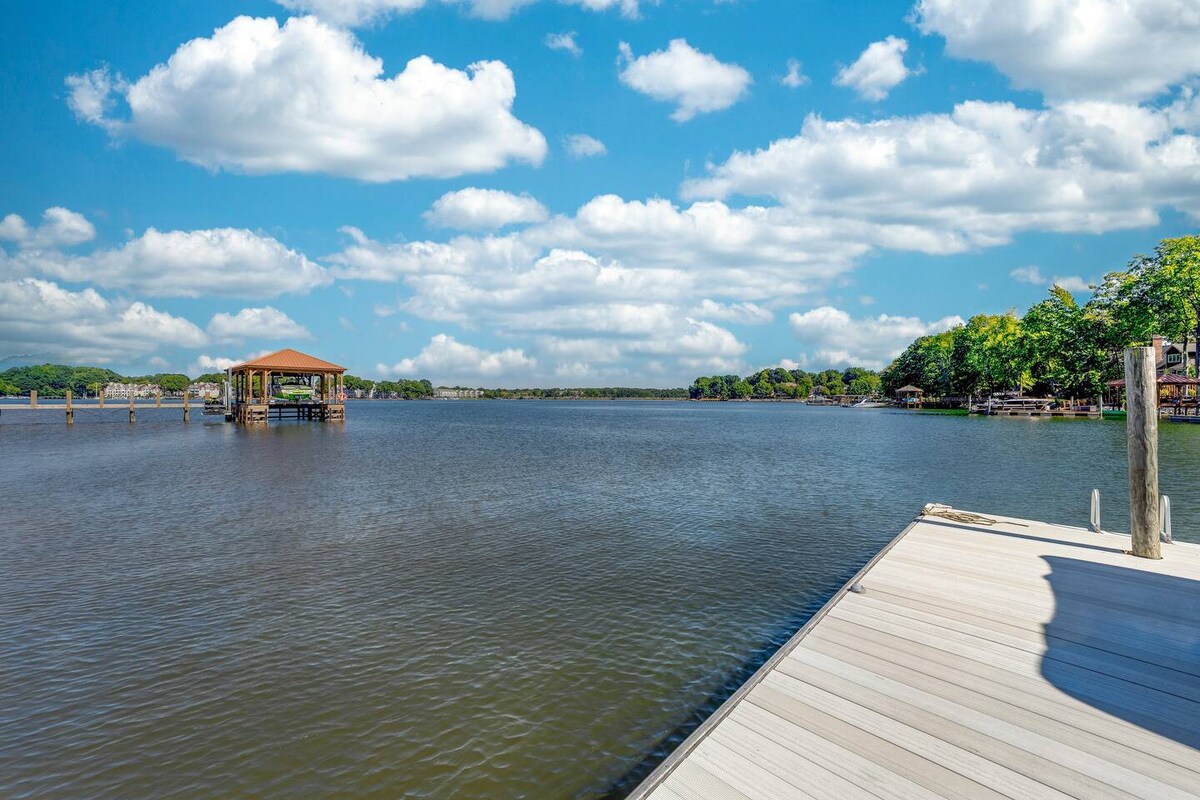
(1060, 347)
(53, 380)
(782, 383)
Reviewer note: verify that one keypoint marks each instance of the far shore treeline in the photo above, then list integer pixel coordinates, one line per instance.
(53, 380)
(1057, 348)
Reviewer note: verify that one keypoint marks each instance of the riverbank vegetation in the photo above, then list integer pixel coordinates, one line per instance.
(781, 383)
(1059, 346)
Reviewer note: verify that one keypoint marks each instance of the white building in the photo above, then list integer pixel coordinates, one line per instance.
(206, 389)
(123, 391)
(443, 393)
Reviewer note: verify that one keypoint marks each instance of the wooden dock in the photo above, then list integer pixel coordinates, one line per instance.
(974, 657)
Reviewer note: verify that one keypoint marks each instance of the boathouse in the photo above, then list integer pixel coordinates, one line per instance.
(287, 384)
(910, 396)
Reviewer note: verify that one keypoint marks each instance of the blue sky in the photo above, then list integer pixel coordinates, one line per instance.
(391, 184)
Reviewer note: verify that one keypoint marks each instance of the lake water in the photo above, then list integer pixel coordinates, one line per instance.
(457, 599)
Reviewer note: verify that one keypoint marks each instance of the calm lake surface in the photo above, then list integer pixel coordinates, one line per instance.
(457, 599)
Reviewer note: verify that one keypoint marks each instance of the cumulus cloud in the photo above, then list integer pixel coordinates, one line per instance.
(745, 313)
(206, 363)
(305, 97)
(696, 82)
(580, 145)
(484, 209)
(40, 317)
(60, 227)
(831, 337)
(564, 42)
(878, 70)
(794, 78)
(220, 261)
(364, 12)
(942, 183)
(447, 359)
(1033, 275)
(256, 323)
(1074, 49)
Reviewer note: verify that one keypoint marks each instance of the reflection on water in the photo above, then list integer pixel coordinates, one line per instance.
(498, 599)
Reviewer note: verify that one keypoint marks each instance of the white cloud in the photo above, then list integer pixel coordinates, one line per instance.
(1029, 274)
(484, 209)
(1072, 49)
(206, 363)
(831, 337)
(947, 182)
(447, 359)
(40, 318)
(878, 70)
(221, 261)
(794, 78)
(563, 41)
(306, 97)
(365, 12)
(60, 227)
(580, 145)
(256, 323)
(1033, 275)
(696, 82)
(744, 313)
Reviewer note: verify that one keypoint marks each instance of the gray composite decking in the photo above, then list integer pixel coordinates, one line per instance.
(1017, 660)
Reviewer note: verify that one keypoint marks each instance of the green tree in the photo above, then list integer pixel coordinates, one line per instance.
(741, 390)
(997, 352)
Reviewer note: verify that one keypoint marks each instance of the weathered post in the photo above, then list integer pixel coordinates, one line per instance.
(70, 410)
(1141, 400)
(33, 398)
(132, 414)
(100, 397)
(158, 398)
(187, 412)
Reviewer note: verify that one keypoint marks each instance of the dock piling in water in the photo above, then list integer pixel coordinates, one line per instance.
(1141, 393)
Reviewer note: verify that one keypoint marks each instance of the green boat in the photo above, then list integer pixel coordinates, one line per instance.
(293, 393)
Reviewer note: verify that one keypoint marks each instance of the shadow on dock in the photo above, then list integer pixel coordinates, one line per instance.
(1127, 642)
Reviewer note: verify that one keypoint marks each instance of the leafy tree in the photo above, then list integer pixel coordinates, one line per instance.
(866, 382)
(997, 352)
(741, 390)
(7, 388)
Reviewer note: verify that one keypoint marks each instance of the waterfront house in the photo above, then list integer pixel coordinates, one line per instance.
(123, 391)
(446, 393)
(1172, 358)
(206, 389)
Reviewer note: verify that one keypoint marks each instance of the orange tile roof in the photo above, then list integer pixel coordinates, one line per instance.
(290, 361)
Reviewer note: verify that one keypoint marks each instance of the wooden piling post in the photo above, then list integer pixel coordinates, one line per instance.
(100, 397)
(158, 398)
(132, 414)
(70, 410)
(187, 412)
(33, 398)
(1141, 421)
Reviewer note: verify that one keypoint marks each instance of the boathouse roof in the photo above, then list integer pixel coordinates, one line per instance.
(289, 360)
(1166, 379)
(910, 389)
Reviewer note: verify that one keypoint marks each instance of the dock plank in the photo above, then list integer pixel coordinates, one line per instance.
(1018, 660)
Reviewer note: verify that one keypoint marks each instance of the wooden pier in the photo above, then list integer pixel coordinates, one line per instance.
(973, 657)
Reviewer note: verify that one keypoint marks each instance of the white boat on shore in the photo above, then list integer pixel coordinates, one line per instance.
(868, 403)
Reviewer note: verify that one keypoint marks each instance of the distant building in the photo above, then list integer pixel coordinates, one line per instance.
(1172, 358)
(443, 393)
(123, 391)
(206, 389)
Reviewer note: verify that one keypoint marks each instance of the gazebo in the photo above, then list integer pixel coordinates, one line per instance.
(1172, 389)
(289, 383)
(910, 395)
